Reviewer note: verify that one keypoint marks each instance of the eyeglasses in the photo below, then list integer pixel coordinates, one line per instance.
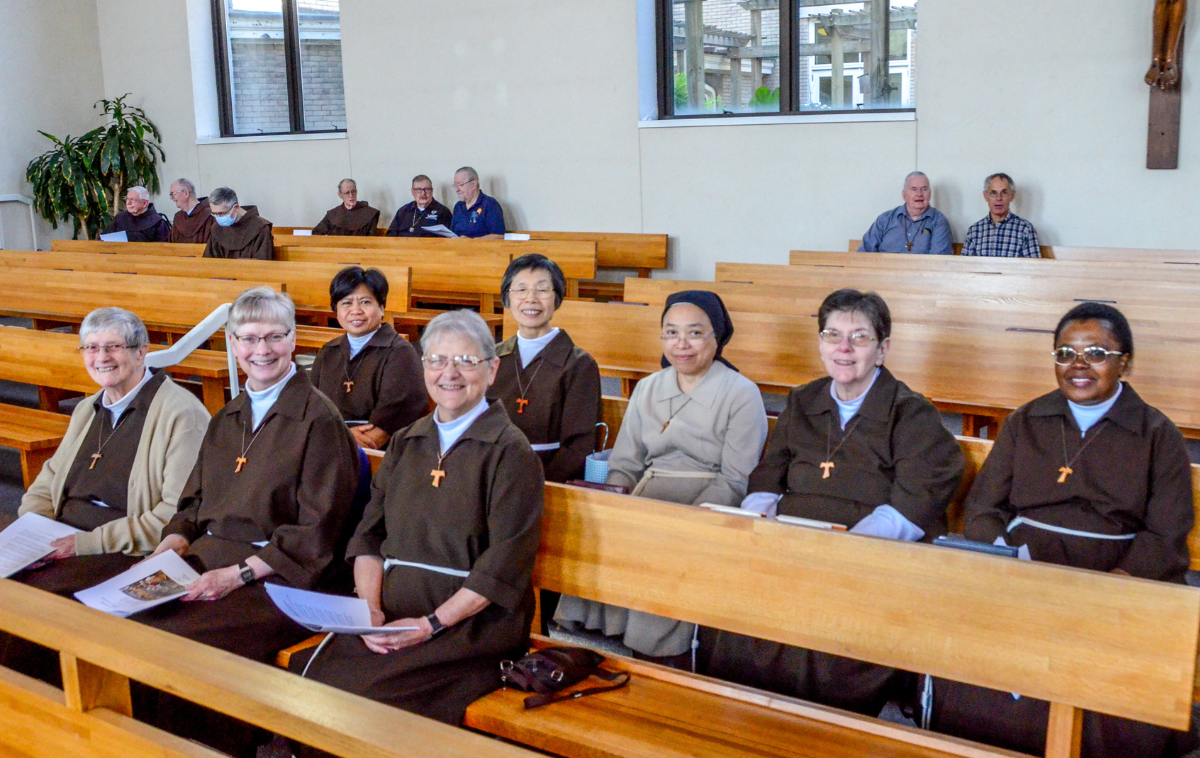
(692, 337)
(1093, 356)
(857, 339)
(109, 349)
(423, 190)
(540, 291)
(460, 185)
(251, 340)
(462, 362)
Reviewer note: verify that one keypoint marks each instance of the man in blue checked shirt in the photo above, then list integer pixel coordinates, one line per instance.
(910, 228)
(1001, 233)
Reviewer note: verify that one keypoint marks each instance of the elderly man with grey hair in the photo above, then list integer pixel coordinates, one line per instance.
(352, 218)
(194, 221)
(1001, 233)
(914, 227)
(240, 232)
(140, 221)
(475, 214)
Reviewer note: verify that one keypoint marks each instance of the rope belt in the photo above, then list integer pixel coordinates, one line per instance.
(546, 447)
(390, 562)
(1063, 530)
(657, 472)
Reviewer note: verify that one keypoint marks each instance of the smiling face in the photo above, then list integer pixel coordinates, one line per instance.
(851, 368)
(457, 390)
(916, 195)
(265, 363)
(116, 368)
(694, 348)
(134, 204)
(359, 312)
(531, 302)
(1084, 383)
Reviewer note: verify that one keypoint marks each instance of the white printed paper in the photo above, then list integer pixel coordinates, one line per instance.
(440, 230)
(114, 237)
(27, 540)
(328, 613)
(516, 237)
(731, 510)
(152, 582)
(811, 523)
(302, 232)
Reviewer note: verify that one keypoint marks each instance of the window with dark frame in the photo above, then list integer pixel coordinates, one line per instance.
(278, 66)
(755, 57)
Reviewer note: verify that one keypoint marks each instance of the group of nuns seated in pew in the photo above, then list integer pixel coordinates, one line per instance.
(441, 543)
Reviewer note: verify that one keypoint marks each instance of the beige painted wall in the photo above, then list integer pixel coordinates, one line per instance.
(541, 97)
(49, 78)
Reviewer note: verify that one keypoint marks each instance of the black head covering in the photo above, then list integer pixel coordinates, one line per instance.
(711, 304)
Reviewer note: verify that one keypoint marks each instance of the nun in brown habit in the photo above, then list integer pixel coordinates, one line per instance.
(350, 219)
(1088, 476)
(692, 434)
(447, 543)
(860, 449)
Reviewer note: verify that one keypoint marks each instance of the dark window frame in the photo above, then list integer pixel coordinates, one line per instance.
(789, 59)
(292, 66)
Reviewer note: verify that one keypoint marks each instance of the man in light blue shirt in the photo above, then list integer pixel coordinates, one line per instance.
(910, 228)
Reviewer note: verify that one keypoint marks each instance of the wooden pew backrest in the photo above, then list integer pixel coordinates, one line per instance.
(168, 249)
(451, 272)
(615, 250)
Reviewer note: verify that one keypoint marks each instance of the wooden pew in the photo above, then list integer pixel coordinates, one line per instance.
(165, 249)
(1123, 254)
(642, 252)
(958, 246)
(92, 715)
(826, 591)
(306, 283)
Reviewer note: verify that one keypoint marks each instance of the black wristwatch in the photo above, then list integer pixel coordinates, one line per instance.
(246, 573)
(438, 627)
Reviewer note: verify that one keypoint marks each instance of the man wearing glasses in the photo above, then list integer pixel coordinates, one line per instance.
(193, 221)
(240, 232)
(475, 215)
(423, 211)
(914, 227)
(353, 218)
(140, 221)
(1001, 233)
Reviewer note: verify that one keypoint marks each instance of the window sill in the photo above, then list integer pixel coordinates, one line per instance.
(815, 118)
(270, 138)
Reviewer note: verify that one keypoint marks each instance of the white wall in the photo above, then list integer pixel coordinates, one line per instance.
(49, 78)
(541, 96)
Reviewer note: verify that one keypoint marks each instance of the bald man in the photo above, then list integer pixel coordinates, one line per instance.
(353, 218)
(140, 221)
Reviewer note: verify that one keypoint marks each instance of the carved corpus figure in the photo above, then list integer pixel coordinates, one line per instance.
(1168, 39)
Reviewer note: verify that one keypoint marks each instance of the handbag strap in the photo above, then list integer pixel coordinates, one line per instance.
(537, 701)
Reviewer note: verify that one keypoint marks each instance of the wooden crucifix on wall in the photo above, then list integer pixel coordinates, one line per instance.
(1165, 78)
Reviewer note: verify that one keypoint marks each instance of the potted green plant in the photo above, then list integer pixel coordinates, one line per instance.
(84, 179)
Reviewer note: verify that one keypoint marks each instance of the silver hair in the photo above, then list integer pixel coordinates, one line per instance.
(342, 182)
(130, 328)
(140, 191)
(262, 305)
(472, 174)
(223, 196)
(915, 173)
(1000, 175)
(467, 323)
(187, 185)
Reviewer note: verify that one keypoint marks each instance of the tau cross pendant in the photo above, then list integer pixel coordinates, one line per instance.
(825, 469)
(910, 247)
(1063, 473)
(240, 462)
(95, 457)
(349, 386)
(521, 403)
(437, 475)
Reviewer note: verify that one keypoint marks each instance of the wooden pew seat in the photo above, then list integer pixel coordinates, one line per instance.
(34, 433)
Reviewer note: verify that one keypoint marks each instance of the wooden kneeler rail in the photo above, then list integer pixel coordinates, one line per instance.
(91, 717)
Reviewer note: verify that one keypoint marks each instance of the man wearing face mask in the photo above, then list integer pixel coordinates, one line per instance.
(140, 221)
(240, 232)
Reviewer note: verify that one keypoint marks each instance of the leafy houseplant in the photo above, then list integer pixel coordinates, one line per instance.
(84, 179)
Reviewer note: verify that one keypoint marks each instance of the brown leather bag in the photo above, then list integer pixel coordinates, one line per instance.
(553, 669)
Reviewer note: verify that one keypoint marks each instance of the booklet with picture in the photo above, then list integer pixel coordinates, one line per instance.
(27, 540)
(152, 582)
(328, 613)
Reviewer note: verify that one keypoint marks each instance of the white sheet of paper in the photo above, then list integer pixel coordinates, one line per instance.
(152, 582)
(731, 510)
(328, 613)
(114, 237)
(440, 230)
(27, 540)
(302, 232)
(811, 523)
(516, 237)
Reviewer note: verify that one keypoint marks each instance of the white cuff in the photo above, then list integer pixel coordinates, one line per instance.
(886, 521)
(765, 503)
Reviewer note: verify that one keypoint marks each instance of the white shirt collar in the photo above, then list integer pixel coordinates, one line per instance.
(847, 408)
(119, 407)
(358, 343)
(450, 431)
(1086, 416)
(262, 400)
(531, 347)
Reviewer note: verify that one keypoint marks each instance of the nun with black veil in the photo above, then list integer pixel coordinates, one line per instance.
(692, 434)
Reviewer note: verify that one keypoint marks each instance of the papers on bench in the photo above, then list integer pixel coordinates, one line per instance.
(440, 230)
(152, 582)
(731, 510)
(302, 232)
(114, 237)
(328, 613)
(27, 540)
(812, 523)
(516, 237)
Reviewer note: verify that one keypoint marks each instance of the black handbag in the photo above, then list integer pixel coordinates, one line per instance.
(553, 669)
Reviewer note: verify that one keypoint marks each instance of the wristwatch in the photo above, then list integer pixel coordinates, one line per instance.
(246, 573)
(438, 626)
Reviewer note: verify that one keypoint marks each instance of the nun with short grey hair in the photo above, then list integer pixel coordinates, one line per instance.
(458, 588)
